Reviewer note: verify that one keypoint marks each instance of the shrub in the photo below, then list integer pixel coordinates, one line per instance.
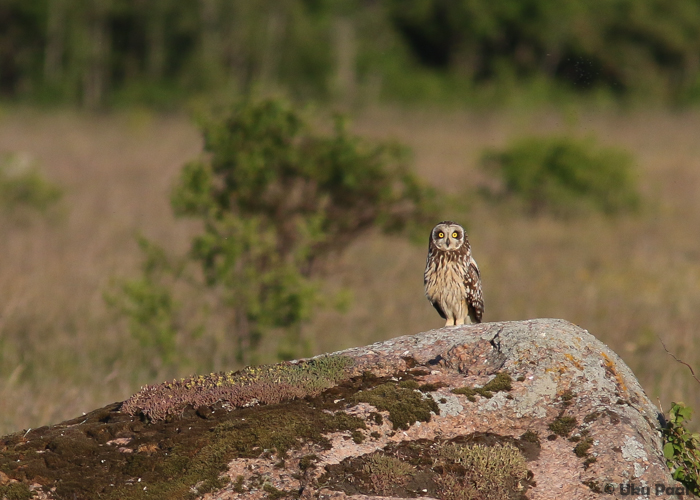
(148, 303)
(682, 448)
(565, 175)
(276, 199)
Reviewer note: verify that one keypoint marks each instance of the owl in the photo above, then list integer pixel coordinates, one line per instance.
(452, 280)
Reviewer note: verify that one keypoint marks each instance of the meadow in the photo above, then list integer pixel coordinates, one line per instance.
(632, 280)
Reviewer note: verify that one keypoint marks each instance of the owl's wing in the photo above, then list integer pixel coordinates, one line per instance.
(475, 298)
(438, 309)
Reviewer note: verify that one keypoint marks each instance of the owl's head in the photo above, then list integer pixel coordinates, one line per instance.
(448, 236)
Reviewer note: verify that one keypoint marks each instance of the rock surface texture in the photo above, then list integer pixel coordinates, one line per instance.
(535, 409)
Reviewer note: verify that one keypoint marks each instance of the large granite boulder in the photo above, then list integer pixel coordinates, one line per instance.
(534, 409)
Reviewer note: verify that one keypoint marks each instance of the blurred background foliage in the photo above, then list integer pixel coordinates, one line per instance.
(276, 200)
(562, 134)
(23, 186)
(163, 53)
(564, 176)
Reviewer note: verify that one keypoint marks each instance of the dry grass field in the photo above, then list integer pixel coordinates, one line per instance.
(628, 280)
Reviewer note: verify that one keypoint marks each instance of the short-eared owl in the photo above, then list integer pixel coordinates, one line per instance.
(452, 279)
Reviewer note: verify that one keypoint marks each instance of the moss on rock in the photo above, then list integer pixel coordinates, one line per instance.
(405, 406)
(562, 425)
(266, 384)
(480, 465)
(501, 382)
(15, 491)
(581, 449)
(114, 455)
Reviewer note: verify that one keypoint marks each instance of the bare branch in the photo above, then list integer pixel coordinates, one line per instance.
(679, 360)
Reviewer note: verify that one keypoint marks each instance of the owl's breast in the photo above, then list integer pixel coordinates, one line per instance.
(444, 281)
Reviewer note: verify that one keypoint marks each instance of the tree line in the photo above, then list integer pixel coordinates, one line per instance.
(159, 52)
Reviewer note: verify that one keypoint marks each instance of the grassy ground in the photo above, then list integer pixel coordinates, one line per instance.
(627, 280)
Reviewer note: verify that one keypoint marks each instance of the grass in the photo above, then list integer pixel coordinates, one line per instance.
(626, 280)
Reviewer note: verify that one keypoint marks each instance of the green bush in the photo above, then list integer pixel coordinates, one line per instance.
(682, 448)
(22, 185)
(148, 303)
(276, 199)
(564, 175)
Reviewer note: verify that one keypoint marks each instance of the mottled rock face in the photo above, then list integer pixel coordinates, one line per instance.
(536, 409)
(574, 410)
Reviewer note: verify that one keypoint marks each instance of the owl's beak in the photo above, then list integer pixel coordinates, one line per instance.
(447, 243)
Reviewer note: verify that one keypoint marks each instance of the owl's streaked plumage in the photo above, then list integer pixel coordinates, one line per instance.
(452, 280)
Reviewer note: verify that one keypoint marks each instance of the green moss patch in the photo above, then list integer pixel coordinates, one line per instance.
(15, 491)
(307, 461)
(562, 426)
(489, 472)
(157, 450)
(567, 397)
(387, 472)
(501, 382)
(594, 486)
(409, 384)
(530, 437)
(266, 384)
(279, 428)
(405, 406)
(591, 417)
(273, 493)
(478, 466)
(581, 449)
(432, 387)
(111, 454)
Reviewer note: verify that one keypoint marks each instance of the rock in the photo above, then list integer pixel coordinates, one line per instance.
(535, 409)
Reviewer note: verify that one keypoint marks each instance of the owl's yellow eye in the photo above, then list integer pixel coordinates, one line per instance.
(441, 234)
(454, 235)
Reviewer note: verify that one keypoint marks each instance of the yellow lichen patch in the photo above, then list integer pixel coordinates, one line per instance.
(558, 368)
(575, 362)
(610, 368)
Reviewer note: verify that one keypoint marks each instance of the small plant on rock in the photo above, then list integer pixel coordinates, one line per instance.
(483, 472)
(386, 472)
(682, 448)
